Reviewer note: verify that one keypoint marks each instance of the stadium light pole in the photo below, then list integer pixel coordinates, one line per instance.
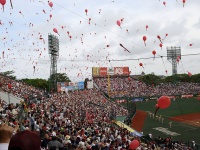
(53, 45)
(173, 53)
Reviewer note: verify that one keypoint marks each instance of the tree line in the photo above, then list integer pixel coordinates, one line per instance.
(150, 79)
(155, 80)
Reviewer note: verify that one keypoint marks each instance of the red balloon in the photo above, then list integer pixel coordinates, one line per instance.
(190, 44)
(3, 2)
(184, 2)
(118, 23)
(134, 144)
(153, 52)
(86, 11)
(164, 3)
(160, 45)
(144, 38)
(164, 102)
(140, 64)
(158, 36)
(147, 27)
(50, 4)
(189, 74)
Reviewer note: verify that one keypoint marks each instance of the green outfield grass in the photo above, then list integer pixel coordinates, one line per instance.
(178, 107)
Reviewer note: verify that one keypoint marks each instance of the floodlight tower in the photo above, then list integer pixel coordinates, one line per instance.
(53, 44)
(173, 53)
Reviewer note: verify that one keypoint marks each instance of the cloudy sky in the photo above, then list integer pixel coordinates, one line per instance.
(95, 36)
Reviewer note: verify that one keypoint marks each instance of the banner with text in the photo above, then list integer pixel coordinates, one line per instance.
(104, 71)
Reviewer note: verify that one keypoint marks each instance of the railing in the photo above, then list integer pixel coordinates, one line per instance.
(193, 146)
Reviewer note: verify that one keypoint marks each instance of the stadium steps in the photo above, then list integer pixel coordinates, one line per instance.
(13, 99)
(123, 125)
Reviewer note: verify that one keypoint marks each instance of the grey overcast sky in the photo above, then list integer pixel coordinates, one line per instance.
(95, 36)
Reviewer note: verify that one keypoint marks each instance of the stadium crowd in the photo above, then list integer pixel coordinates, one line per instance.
(77, 120)
(124, 86)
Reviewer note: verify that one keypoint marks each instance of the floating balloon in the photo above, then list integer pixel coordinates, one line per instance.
(184, 2)
(118, 23)
(55, 30)
(191, 44)
(141, 65)
(134, 144)
(164, 3)
(160, 45)
(147, 27)
(144, 39)
(86, 11)
(164, 102)
(50, 16)
(158, 36)
(189, 74)
(177, 59)
(3, 2)
(154, 53)
(51, 4)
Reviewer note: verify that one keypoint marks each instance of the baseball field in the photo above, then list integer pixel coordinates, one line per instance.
(181, 120)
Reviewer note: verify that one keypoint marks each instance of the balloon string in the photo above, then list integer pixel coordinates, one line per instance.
(156, 111)
(11, 4)
(163, 63)
(182, 66)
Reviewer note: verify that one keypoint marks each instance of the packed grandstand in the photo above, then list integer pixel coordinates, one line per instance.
(85, 119)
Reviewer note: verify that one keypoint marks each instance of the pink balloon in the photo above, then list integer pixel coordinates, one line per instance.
(164, 102)
(50, 4)
(189, 74)
(134, 144)
(118, 23)
(55, 30)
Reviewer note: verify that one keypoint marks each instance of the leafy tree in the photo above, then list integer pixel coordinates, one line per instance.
(195, 78)
(38, 83)
(85, 83)
(61, 77)
(150, 79)
(9, 74)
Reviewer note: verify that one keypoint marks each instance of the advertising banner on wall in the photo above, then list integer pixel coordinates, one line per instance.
(90, 84)
(80, 85)
(136, 99)
(95, 71)
(70, 86)
(104, 71)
